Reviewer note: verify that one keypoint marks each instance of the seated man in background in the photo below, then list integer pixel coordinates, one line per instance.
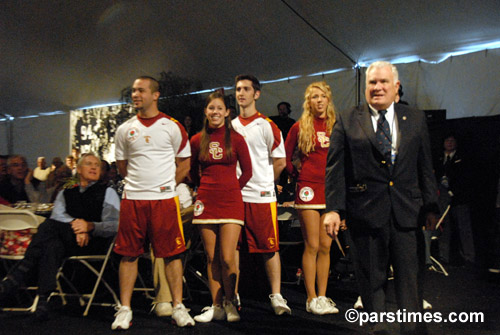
(60, 177)
(41, 172)
(12, 187)
(20, 184)
(70, 163)
(84, 216)
(56, 164)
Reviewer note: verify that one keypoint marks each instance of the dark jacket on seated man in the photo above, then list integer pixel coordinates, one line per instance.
(13, 193)
(83, 220)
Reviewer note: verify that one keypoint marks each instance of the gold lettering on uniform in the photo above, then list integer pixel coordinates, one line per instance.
(147, 138)
(324, 141)
(215, 150)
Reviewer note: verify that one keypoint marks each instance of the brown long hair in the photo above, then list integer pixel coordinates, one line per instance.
(205, 137)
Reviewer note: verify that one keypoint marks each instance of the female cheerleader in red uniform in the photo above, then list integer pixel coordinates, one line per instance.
(219, 208)
(310, 136)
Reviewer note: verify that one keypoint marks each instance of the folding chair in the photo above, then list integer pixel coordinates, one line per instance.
(194, 255)
(15, 220)
(87, 261)
(286, 218)
(430, 238)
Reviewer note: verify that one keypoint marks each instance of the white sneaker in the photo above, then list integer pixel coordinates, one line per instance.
(359, 303)
(231, 312)
(315, 306)
(181, 316)
(163, 309)
(210, 313)
(123, 318)
(426, 305)
(328, 305)
(279, 304)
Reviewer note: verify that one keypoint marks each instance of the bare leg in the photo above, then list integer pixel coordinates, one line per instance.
(237, 262)
(209, 236)
(127, 275)
(228, 240)
(272, 265)
(173, 271)
(309, 220)
(323, 260)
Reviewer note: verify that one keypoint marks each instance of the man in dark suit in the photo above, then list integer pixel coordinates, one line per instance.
(379, 178)
(453, 175)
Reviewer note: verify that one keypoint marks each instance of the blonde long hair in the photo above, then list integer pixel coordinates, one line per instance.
(307, 134)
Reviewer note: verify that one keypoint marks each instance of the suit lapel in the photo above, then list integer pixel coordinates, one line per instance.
(365, 121)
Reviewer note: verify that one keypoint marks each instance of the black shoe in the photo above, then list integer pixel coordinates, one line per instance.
(42, 309)
(7, 287)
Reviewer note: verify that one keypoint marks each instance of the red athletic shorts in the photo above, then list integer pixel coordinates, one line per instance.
(261, 227)
(156, 221)
(310, 195)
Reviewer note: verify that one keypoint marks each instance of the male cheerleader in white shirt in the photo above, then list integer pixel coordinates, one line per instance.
(152, 154)
(265, 144)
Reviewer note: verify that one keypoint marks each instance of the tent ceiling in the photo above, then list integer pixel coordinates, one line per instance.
(61, 55)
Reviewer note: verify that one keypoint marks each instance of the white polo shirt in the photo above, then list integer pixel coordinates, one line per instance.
(265, 142)
(151, 151)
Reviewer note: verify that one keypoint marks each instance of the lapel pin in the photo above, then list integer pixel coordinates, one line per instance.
(404, 118)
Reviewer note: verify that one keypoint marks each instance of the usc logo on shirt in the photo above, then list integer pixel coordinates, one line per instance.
(324, 141)
(215, 150)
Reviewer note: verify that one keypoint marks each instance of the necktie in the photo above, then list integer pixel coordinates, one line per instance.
(383, 136)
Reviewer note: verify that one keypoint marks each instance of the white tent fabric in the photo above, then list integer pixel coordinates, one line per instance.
(63, 55)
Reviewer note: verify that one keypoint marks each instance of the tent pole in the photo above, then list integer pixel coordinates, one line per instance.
(358, 86)
(10, 136)
(8, 132)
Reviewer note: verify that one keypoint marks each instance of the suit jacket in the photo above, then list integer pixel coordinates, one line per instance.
(459, 179)
(359, 184)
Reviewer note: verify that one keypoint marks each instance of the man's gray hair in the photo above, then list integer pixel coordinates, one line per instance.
(380, 64)
(85, 155)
